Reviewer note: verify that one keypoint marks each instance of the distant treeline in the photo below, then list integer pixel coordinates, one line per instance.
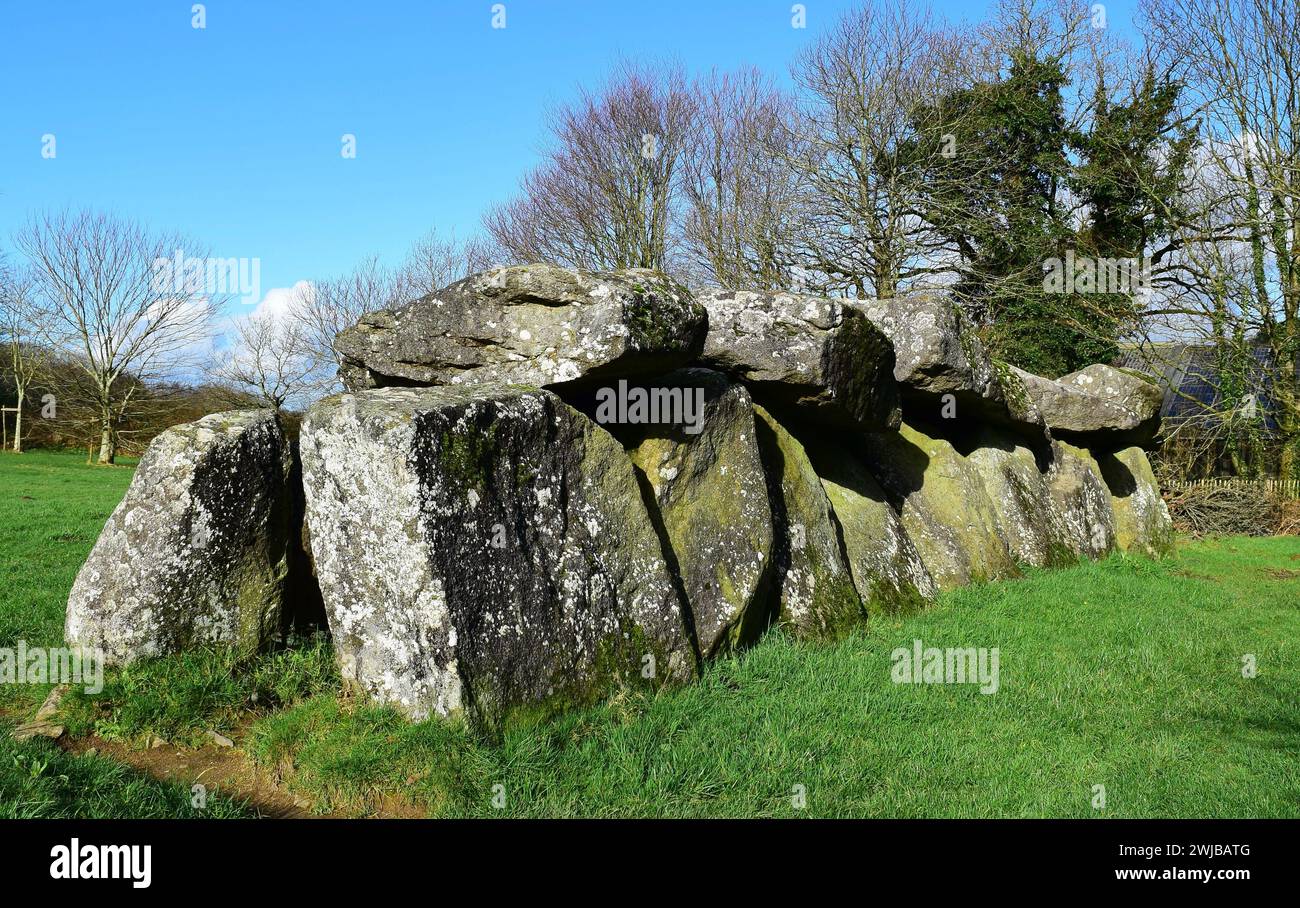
(57, 414)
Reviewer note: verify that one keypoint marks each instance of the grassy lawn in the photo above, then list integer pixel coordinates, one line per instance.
(52, 506)
(1125, 674)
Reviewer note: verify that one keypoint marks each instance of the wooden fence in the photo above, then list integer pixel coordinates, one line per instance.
(1279, 488)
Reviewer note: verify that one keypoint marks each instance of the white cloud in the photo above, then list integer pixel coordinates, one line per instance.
(280, 301)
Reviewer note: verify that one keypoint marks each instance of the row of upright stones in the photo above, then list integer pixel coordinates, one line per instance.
(494, 525)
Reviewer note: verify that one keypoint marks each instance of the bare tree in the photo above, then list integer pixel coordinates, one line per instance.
(433, 262)
(114, 309)
(20, 321)
(741, 197)
(267, 357)
(861, 86)
(604, 196)
(323, 308)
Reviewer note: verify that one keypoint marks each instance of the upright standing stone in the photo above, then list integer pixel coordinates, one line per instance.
(485, 549)
(1142, 522)
(1016, 484)
(1083, 509)
(710, 490)
(888, 570)
(944, 506)
(198, 551)
(818, 597)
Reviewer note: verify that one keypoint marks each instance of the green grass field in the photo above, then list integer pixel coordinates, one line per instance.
(1126, 674)
(52, 506)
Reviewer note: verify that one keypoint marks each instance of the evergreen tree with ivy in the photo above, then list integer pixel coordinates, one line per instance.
(1004, 198)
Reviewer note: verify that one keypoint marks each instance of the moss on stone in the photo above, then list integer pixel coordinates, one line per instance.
(649, 330)
(1013, 389)
(615, 668)
(944, 508)
(467, 455)
(895, 600)
(1142, 523)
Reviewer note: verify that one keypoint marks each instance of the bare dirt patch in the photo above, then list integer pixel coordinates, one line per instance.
(221, 770)
(229, 772)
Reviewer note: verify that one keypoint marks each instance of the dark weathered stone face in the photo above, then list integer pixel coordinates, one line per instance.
(483, 549)
(889, 572)
(1015, 477)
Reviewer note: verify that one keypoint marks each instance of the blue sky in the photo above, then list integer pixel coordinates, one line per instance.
(232, 133)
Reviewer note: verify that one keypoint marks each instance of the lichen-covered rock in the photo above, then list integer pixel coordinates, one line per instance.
(818, 354)
(1142, 522)
(530, 324)
(1083, 511)
(1074, 412)
(1019, 410)
(818, 599)
(711, 494)
(484, 549)
(199, 550)
(1139, 394)
(887, 569)
(936, 355)
(1016, 484)
(943, 504)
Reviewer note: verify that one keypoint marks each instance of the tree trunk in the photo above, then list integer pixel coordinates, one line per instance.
(18, 424)
(106, 447)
